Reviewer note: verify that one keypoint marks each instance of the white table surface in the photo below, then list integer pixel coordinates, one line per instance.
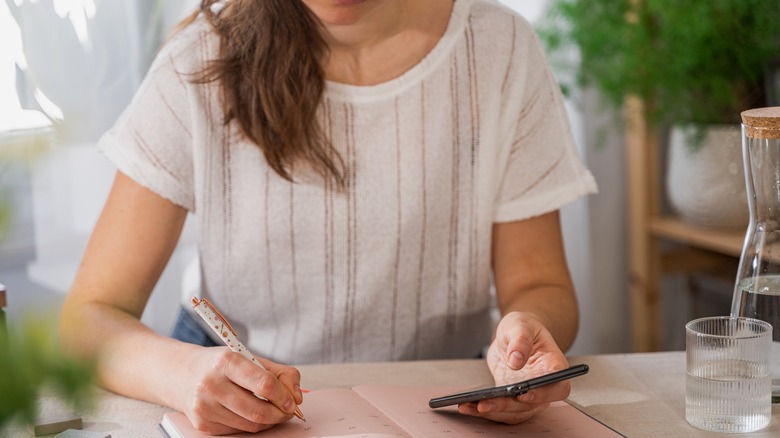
(638, 395)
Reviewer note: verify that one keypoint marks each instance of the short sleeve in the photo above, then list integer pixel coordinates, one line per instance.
(544, 170)
(151, 142)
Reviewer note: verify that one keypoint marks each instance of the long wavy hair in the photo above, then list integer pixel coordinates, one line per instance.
(269, 71)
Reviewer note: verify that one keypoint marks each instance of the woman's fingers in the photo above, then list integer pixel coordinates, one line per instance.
(235, 394)
(216, 419)
(516, 414)
(253, 410)
(258, 381)
(290, 377)
(513, 410)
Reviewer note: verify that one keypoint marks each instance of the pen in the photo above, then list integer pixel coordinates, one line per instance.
(225, 331)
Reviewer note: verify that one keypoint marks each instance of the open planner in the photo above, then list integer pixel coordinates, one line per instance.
(401, 411)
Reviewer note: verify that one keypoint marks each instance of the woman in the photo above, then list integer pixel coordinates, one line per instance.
(359, 170)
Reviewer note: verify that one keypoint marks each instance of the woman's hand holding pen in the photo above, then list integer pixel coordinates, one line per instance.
(523, 348)
(222, 400)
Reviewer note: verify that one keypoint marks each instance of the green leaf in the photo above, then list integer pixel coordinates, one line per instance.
(692, 62)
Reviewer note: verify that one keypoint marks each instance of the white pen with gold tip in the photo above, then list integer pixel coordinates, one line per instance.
(225, 331)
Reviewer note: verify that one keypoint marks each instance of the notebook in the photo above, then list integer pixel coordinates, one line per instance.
(401, 411)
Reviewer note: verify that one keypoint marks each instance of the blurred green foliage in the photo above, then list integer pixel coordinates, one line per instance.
(691, 61)
(5, 212)
(31, 365)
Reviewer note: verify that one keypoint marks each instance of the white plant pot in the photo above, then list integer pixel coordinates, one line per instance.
(706, 184)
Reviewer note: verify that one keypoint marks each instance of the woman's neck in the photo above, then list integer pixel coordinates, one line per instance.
(380, 40)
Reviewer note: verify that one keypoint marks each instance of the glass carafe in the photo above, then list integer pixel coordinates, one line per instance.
(757, 287)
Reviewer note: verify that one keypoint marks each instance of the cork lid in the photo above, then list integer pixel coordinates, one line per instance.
(762, 123)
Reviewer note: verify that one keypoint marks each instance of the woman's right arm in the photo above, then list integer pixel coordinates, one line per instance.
(132, 242)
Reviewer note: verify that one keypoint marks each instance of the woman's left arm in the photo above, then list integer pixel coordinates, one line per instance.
(539, 316)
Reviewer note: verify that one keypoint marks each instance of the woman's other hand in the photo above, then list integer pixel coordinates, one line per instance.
(522, 349)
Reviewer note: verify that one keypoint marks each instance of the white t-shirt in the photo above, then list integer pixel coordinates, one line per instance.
(397, 266)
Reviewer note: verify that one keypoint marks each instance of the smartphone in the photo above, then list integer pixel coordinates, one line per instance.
(511, 390)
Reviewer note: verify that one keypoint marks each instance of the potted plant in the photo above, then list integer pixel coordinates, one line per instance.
(32, 366)
(695, 65)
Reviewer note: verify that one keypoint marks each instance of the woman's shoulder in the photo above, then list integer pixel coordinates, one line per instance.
(188, 48)
(493, 18)
(500, 36)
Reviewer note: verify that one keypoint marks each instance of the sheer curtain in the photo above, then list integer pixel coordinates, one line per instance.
(85, 58)
(81, 62)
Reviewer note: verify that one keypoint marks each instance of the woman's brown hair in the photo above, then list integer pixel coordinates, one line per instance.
(270, 75)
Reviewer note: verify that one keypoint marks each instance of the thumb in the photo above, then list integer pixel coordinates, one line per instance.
(515, 341)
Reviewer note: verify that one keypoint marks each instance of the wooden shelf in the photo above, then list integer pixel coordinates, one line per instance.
(728, 241)
(649, 227)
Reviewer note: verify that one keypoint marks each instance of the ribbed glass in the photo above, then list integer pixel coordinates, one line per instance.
(728, 379)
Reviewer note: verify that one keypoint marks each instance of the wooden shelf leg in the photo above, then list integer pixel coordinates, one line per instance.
(643, 203)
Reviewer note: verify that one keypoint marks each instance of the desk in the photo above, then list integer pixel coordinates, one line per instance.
(639, 395)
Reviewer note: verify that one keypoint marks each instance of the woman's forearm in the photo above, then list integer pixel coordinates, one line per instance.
(131, 359)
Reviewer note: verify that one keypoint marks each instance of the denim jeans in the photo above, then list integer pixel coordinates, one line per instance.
(187, 329)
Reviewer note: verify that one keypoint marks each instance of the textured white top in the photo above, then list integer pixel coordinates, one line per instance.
(397, 266)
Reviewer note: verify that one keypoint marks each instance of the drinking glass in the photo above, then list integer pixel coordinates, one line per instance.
(728, 384)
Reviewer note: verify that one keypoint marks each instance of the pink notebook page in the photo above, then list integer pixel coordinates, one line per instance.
(408, 407)
(399, 411)
(329, 413)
